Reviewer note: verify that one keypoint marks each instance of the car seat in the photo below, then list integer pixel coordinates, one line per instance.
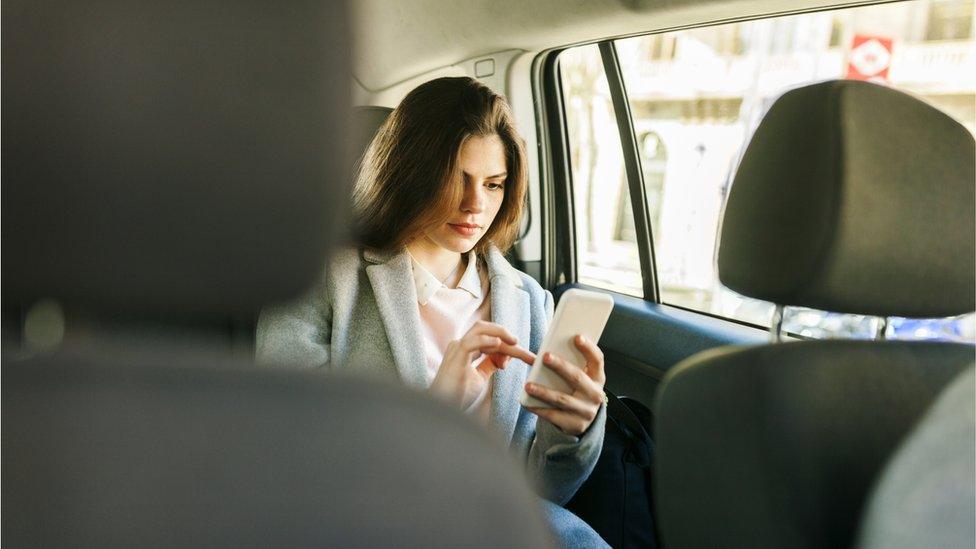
(926, 496)
(851, 197)
(166, 167)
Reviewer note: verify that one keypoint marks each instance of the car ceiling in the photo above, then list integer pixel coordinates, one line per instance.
(401, 39)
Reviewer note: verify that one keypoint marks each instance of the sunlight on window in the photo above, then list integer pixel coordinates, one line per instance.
(697, 95)
(605, 239)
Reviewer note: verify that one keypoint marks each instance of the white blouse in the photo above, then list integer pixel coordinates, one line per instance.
(448, 311)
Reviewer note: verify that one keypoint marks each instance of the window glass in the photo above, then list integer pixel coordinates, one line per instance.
(697, 95)
(605, 240)
(949, 20)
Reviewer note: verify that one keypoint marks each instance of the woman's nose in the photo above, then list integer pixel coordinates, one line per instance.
(473, 200)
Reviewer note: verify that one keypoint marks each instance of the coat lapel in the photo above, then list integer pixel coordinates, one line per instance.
(510, 308)
(396, 297)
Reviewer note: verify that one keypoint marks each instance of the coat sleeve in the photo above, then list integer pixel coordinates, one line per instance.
(297, 333)
(559, 463)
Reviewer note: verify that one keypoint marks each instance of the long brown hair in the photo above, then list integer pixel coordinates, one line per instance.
(409, 178)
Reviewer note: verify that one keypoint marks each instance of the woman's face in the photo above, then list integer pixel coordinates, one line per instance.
(483, 168)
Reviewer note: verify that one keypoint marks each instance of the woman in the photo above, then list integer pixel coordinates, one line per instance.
(429, 299)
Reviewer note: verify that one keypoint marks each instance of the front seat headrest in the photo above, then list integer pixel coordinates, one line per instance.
(166, 159)
(836, 216)
(365, 122)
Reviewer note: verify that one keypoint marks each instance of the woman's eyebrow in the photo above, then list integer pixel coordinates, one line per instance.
(469, 176)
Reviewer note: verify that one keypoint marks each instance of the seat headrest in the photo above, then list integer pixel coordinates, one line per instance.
(366, 121)
(856, 198)
(170, 159)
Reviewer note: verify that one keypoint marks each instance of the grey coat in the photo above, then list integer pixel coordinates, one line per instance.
(363, 318)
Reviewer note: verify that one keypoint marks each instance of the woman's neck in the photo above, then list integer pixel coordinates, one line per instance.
(441, 262)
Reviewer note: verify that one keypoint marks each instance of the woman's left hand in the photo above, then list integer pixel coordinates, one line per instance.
(572, 412)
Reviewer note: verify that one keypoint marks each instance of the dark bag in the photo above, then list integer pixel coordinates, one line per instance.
(616, 499)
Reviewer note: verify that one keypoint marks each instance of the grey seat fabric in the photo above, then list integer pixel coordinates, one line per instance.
(366, 121)
(778, 445)
(102, 453)
(169, 165)
(926, 496)
(156, 168)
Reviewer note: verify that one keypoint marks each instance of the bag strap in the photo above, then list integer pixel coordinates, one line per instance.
(625, 417)
(621, 413)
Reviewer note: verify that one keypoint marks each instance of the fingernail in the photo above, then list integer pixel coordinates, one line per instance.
(582, 338)
(530, 387)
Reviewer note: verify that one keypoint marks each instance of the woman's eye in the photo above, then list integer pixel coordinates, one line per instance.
(494, 186)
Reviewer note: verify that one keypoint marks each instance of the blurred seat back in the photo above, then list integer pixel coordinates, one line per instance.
(854, 198)
(926, 496)
(365, 122)
(169, 165)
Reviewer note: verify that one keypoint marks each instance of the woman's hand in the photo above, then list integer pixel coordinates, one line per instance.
(460, 383)
(573, 412)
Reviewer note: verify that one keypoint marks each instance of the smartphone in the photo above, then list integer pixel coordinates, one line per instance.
(578, 312)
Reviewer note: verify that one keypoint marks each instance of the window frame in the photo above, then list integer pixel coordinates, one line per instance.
(559, 259)
(633, 169)
(559, 247)
(558, 224)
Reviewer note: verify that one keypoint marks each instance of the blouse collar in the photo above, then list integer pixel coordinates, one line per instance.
(427, 284)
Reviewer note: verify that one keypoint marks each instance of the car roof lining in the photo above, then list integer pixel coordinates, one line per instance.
(444, 32)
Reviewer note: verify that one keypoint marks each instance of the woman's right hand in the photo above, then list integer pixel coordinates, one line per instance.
(458, 381)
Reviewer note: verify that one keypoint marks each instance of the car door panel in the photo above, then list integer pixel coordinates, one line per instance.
(643, 340)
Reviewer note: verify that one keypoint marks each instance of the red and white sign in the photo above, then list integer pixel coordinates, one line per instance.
(869, 58)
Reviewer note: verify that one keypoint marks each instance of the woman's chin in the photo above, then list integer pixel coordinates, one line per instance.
(461, 245)
(450, 240)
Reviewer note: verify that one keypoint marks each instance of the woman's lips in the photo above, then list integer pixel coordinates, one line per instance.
(464, 229)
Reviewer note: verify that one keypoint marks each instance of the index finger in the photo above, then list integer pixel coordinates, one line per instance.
(492, 344)
(483, 327)
(517, 352)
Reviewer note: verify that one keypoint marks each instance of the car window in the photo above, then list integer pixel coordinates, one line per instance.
(695, 98)
(607, 255)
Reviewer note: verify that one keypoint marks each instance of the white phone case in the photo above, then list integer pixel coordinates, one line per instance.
(578, 312)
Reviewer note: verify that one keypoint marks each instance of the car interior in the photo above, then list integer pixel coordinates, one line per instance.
(779, 196)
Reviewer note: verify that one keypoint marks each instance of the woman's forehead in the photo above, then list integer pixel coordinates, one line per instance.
(483, 156)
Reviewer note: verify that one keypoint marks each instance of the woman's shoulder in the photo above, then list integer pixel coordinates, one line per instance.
(347, 256)
(500, 266)
(343, 262)
(529, 284)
